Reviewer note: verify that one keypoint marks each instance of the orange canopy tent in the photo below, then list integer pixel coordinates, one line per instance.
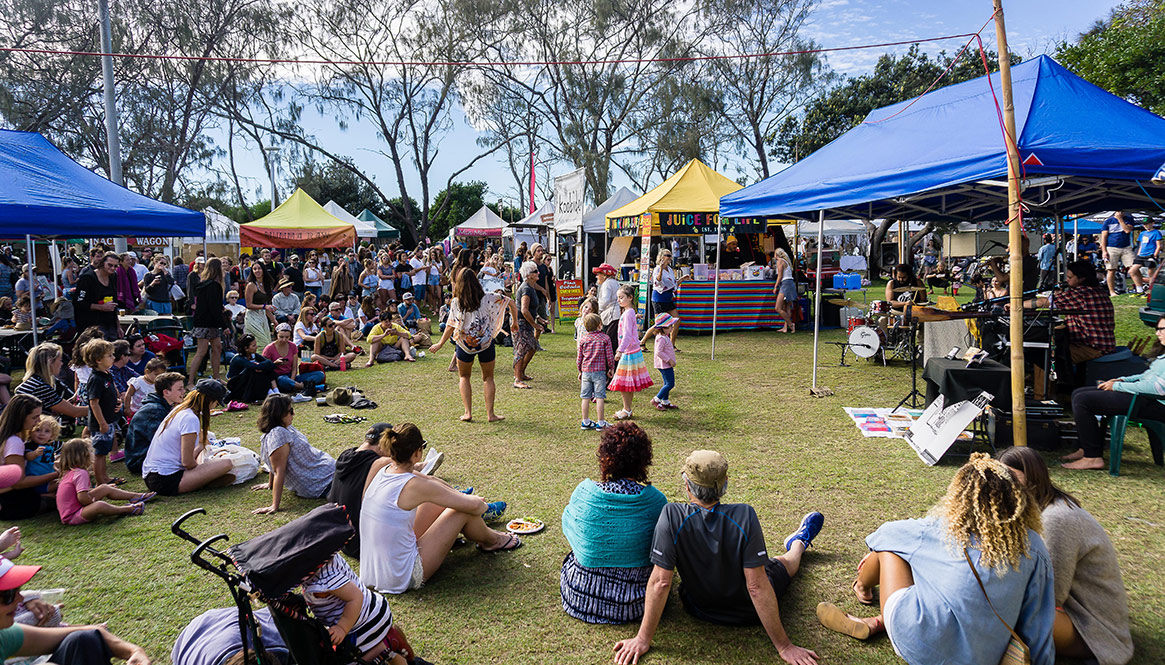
(298, 222)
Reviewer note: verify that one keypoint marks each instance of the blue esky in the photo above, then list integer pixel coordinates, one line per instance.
(1033, 27)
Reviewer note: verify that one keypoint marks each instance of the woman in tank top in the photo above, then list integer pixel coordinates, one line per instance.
(408, 521)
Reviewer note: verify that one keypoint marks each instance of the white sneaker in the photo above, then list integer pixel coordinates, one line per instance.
(432, 461)
(272, 392)
(299, 398)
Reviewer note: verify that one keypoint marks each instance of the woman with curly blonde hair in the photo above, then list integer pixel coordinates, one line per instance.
(933, 609)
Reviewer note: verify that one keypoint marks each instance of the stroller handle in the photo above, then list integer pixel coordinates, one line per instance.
(177, 530)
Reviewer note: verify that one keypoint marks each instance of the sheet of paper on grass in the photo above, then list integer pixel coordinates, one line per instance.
(933, 433)
(882, 423)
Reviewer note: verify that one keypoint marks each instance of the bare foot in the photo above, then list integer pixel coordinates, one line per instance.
(368, 364)
(523, 386)
(222, 481)
(1072, 457)
(495, 418)
(467, 418)
(410, 359)
(1086, 463)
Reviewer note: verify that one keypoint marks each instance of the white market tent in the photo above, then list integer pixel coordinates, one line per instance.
(833, 227)
(484, 222)
(363, 229)
(220, 229)
(595, 220)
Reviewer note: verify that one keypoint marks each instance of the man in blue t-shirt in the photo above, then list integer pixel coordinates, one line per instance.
(728, 578)
(1116, 239)
(1148, 249)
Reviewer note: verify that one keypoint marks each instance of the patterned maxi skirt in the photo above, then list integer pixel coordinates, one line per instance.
(631, 375)
(603, 595)
(255, 323)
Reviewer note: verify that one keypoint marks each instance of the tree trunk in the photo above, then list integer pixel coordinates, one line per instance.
(875, 258)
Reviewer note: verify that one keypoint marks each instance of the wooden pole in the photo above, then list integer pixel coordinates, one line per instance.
(1014, 236)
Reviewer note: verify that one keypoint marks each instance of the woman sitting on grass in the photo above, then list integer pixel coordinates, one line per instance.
(175, 462)
(250, 376)
(1092, 610)
(293, 461)
(23, 497)
(609, 525)
(928, 571)
(78, 501)
(287, 376)
(331, 347)
(409, 521)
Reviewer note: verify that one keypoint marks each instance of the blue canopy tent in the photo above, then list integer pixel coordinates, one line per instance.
(942, 157)
(45, 194)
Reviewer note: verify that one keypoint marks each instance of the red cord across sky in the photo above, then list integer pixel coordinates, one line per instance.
(409, 63)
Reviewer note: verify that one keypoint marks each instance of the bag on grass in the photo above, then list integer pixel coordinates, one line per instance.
(244, 461)
(389, 354)
(160, 343)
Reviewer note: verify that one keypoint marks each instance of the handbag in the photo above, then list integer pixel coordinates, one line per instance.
(1017, 652)
(176, 292)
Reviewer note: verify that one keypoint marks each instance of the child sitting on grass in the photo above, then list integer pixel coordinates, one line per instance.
(143, 385)
(596, 366)
(80, 503)
(38, 451)
(665, 359)
(104, 405)
(350, 610)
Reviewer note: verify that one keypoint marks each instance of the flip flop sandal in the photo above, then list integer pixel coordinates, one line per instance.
(145, 498)
(116, 481)
(521, 386)
(138, 508)
(835, 619)
(512, 544)
(861, 599)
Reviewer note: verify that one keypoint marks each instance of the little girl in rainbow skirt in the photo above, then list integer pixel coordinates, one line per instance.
(631, 375)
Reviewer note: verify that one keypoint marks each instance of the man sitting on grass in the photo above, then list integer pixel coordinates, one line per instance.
(169, 389)
(728, 577)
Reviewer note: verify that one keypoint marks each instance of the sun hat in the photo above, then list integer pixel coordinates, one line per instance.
(664, 320)
(604, 269)
(10, 474)
(13, 576)
(408, 295)
(212, 388)
(707, 468)
(286, 284)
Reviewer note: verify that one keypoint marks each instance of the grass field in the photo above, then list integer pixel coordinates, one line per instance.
(789, 454)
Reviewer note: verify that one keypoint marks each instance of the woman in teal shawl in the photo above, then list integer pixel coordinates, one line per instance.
(609, 524)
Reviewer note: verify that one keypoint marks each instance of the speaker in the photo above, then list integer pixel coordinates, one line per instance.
(939, 336)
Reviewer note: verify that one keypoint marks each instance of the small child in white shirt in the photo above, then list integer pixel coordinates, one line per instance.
(143, 385)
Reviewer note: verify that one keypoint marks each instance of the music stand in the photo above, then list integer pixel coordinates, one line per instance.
(914, 393)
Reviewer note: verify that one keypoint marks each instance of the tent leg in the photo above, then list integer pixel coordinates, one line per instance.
(715, 286)
(55, 261)
(31, 285)
(815, 390)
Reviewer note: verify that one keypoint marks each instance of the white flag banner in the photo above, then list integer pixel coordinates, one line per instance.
(569, 191)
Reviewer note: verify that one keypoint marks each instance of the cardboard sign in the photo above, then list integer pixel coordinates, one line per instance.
(570, 291)
(933, 433)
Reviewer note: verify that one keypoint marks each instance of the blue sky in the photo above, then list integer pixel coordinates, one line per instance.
(1033, 27)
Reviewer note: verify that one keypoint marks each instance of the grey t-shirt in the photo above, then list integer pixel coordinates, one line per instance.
(213, 636)
(711, 549)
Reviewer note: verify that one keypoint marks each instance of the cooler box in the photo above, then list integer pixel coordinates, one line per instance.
(850, 281)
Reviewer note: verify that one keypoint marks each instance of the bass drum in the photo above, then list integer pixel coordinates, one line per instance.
(866, 341)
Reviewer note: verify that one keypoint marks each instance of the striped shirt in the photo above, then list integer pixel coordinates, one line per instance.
(375, 614)
(48, 395)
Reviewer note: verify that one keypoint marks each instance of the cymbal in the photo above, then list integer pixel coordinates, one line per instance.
(904, 289)
(928, 314)
(844, 302)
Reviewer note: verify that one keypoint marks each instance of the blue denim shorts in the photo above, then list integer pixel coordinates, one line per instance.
(594, 385)
(103, 443)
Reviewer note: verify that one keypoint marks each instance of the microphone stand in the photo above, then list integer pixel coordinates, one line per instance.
(914, 393)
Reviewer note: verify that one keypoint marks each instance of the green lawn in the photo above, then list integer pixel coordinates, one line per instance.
(789, 454)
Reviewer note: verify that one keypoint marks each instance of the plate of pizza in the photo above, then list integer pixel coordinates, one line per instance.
(524, 526)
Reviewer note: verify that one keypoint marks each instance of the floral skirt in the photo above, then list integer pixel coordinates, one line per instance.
(524, 340)
(631, 375)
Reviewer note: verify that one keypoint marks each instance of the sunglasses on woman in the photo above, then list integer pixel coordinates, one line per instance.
(8, 596)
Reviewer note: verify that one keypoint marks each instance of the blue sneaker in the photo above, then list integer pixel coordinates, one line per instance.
(467, 490)
(586, 424)
(810, 526)
(602, 424)
(494, 510)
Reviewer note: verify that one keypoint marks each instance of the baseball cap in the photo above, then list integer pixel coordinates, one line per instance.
(408, 295)
(13, 576)
(212, 388)
(604, 269)
(707, 468)
(201, 259)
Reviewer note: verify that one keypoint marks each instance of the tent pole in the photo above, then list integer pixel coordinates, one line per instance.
(55, 261)
(1015, 235)
(1076, 238)
(31, 284)
(817, 296)
(715, 285)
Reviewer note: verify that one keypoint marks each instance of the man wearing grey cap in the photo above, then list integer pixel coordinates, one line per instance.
(719, 549)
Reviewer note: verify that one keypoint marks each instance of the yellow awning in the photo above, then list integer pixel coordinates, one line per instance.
(694, 188)
(298, 222)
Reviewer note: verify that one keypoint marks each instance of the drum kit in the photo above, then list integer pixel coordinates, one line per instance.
(881, 333)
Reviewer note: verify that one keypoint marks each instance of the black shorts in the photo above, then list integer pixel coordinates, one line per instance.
(668, 306)
(484, 356)
(1142, 260)
(166, 485)
(778, 576)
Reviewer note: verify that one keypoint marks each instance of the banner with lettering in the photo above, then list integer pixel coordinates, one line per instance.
(569, 191)
(570, 291)
(644, 269)
(697, 223)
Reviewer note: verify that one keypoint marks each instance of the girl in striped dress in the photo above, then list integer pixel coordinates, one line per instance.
(350, 610)
(631, 375)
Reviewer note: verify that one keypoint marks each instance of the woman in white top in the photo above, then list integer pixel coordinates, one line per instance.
(433, 292)
(175, 462)
(663, 288)
(293, 461)
(408, 521)
(306, 329)
(786, 290)
(313, 279)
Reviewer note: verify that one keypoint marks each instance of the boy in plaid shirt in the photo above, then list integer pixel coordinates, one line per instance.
(596, 366)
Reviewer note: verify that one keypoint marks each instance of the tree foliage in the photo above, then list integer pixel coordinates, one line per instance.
(1124, 53)
(895, 78)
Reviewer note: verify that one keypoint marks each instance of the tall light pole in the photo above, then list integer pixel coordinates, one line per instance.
(111, 137)
(271, 152)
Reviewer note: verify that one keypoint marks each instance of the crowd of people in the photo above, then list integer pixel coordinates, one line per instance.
(1003, 546)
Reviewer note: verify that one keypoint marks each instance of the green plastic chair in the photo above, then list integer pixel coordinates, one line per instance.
(1118, 424)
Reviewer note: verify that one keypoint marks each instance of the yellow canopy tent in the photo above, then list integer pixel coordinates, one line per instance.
(687, 203)
(298, 222)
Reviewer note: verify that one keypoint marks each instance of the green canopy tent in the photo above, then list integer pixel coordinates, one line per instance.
(383, 230)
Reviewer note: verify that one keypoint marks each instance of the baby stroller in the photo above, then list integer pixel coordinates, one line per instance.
(269, 567)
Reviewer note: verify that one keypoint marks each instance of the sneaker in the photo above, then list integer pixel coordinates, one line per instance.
(467, 490)
(670, 406)
(117, 457)
(494, 510)
(602, 424)
(656, 403)
(586, 424)
(810, 526)
(273, 391)
(299, 398)
(433, 460)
